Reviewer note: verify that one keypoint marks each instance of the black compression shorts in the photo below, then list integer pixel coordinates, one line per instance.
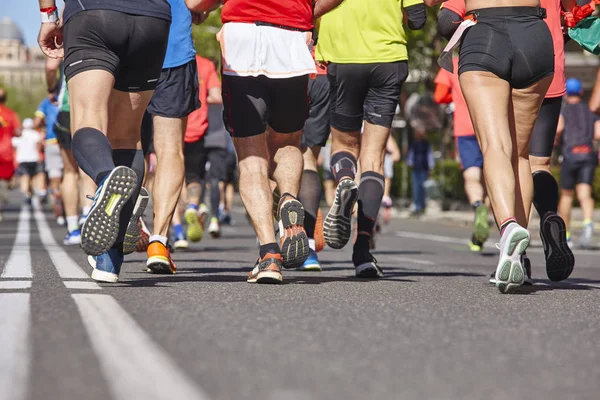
(367, 92)
(513, 43)
(544, 130)
(317, 128)
(132, 48)
(573, 173)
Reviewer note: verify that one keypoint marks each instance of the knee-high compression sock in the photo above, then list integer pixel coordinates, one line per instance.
(215, 198)
(133, 159)
(370, 193)
(310, 197)
(545, 192)
(343, 164)
(93, 153)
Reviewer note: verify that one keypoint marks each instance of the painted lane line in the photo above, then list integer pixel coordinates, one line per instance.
(15, 356)
(19, 261)
(134, 366)
(8, 285)
(414, 261)
(66, 267)
(82, 285)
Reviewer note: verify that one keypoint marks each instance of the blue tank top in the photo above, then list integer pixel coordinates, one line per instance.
(180, 49)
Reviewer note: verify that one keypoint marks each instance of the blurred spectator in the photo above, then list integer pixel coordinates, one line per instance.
(10, 126)
(420, 158)
(28, 146)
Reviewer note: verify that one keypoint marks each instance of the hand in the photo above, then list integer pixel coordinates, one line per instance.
(199, 17)
(50, 39)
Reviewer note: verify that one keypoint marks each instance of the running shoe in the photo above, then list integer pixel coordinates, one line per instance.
(72, 238)
(318, 235)
(60, 220)
(134, 230)
(475, 245)
(142, 244)
(214, 228)
(195, 229)
(526, 264)
(107, 266)
(293, 240)
(159, 259)
(510, 273)
(481, 228)
(226, 218)
(366, 265)
(338, 227)
(101, 227)
(267, 269)
(180, 242)
(311, 263)
(559, 257)
(586, 237)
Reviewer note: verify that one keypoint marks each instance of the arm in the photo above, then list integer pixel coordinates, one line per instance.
(324, 6)
(52, 66)
(559, 130)
(50, 37)
(214, 87)
(417, 16)
(202, 5)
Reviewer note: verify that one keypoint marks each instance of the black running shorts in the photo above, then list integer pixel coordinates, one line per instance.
(62, 129)
(317, 126)
(132, 48)
(573, 173)
(367, 92)
(217, 158)
(194, 156)
(250, 103)
(176, 94)
(544, 130)
(513, 43)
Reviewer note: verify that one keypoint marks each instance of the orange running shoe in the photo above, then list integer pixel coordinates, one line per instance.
(267, 269)
(293, 240)
(159, 259)
(319, 237)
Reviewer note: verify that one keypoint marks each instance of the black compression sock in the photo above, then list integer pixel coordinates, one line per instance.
(310, 197)
(343, 164)
(545, 192)
(93, 153)
(215, 197)
(133, 159)
(370, 193)
(272, 248)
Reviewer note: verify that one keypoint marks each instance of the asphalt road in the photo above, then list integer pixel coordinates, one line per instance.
(432, 329)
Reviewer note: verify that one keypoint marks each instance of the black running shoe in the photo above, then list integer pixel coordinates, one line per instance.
(293, 239)
(559, 257)
(337, 224)
(366, 265)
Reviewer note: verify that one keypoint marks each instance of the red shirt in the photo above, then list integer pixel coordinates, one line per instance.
(9, 123)
(198, 120)
(462, 119)
(293, 13)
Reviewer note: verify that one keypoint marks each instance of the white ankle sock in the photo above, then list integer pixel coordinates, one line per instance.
(159, 238)
(72, 223)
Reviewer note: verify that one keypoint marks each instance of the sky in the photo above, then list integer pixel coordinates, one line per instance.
(26, 14)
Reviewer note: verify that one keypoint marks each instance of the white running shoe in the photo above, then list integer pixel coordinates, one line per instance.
(510, 273)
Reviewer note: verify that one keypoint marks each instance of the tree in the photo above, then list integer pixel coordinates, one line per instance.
(23, 102)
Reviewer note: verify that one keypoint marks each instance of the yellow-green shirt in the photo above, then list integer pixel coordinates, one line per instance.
(363, 32)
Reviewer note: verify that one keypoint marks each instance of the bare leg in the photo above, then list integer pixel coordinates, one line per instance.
(584, 195)
(286, 160)
(474, 184)
(70, 184)
(564, 206)
(168, 143)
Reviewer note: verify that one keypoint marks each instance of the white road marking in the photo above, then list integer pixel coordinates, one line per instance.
(414, 260)
(66, 267)
(83, 285)
(15, 356)
(8, 285)
(134, 366)
(19, 261)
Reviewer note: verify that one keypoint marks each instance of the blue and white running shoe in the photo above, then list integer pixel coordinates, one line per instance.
(101, 227)
(72, 238)
(311, 263)
(107, 266)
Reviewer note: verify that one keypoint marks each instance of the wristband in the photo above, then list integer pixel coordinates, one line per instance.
(49, 14)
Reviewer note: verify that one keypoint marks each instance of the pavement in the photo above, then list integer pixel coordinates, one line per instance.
(433, 328)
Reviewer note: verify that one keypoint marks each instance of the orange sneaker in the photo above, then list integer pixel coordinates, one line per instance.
(293, 240)
(319, 237)
(267, 269)
(159, 259)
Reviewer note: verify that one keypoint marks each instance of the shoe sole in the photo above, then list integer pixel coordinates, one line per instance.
(101, 227)
(294, 241)
(215, 234)
(159, 265)
(368, 271)
(181, 245)
(311, 268)
(101, 276)
(266, 277)
(68, 243)
(510, 273)
(481, 228)
(560, 261)
(133, 233)
(194, 230)
(337, 227)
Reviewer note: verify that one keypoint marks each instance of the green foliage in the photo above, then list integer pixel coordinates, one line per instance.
(23, 101)
(425, 45)
(205, 36)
